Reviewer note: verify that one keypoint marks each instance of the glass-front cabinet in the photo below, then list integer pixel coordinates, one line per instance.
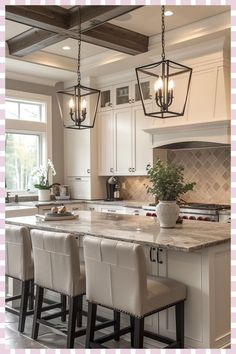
(125, 94)
(106, 99)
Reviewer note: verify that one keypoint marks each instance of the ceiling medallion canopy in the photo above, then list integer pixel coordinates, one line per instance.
(170, 82)
(78, 104)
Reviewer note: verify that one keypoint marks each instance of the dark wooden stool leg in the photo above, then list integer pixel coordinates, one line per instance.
(92, 311)
(138, 332)
(37, 311)
(117, 325)
(31, 295)
(73, 309)
(63, 307)
(132, 331)
(23, 304)
(80, 309)
(179, 319)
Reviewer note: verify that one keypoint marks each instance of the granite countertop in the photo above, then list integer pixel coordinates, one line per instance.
(123, 203)
(188, 237)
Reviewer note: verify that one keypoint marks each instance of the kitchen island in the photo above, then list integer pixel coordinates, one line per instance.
(195, 253)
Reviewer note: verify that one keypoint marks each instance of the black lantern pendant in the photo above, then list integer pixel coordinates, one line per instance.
(78, 104)
(170, 81)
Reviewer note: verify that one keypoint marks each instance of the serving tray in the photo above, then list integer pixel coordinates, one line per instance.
(57, 217)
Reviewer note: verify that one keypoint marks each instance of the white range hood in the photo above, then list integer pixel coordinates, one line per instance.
(191, 135)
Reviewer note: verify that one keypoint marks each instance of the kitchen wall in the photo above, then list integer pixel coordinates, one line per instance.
(57, 127)
(209, 168)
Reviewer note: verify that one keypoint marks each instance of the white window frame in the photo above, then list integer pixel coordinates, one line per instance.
(44, 129)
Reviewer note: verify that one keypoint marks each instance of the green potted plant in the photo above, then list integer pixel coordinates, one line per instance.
(167, 185)
(43, 175)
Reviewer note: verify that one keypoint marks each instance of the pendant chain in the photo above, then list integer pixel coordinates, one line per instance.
(79, 46)
(163, 32)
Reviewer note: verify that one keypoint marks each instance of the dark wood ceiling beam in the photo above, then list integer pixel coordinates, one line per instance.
(93, 16)
(49, 18)
(117, 38)
(31, 41)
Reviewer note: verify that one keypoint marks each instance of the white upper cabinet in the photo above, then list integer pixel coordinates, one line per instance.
(77, 152)
(124, 148)
(122, 94)
(105, 143)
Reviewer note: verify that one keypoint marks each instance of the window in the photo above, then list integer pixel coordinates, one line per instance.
(28, 137)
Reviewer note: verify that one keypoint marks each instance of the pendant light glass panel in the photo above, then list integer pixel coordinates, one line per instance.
(78, 106)
(169, 86)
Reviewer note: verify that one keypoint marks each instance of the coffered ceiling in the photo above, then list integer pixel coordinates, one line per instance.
(143, 20)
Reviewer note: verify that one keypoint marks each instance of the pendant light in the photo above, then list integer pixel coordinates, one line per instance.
(78, 104)
(170, 82)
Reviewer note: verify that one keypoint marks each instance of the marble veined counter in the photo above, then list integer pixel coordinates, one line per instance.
(188, 237)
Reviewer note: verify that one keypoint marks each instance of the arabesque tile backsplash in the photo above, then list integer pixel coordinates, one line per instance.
(209, 168)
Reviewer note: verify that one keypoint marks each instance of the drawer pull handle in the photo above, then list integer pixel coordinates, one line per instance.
(158, 256)
(151, 254)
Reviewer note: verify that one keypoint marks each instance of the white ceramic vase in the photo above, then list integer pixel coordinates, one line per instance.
(167, 213)
(44, 195)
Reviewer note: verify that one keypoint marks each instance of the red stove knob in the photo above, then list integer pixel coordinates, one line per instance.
(192, 218)
(206, 219)
(154, 214)
(148, 214)
(185, 217)
(200, 218)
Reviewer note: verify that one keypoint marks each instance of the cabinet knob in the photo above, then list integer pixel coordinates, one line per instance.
(133, 169)
(130, 169)
(148, 166)
(88, 170)
(130, 101)
(111, 169)
(110, 104)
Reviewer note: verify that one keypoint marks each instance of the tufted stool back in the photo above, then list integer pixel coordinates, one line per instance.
(57, 262)
(115, 274)
(19, 260)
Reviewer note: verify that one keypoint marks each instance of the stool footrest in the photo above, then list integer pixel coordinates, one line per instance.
(158, 337)
(12, 298)
(51, 307)
(108, 337)
(55, 315)
(98, 318)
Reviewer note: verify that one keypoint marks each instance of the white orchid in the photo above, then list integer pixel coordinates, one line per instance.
(42, 173)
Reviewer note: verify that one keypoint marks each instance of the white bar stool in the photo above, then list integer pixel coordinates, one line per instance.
(116, 278)
(20, 265)
(58, 268)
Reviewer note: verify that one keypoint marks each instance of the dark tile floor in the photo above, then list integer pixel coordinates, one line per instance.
(47, 338)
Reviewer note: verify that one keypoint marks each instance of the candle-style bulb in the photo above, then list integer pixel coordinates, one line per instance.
(83, 104)
(71, 103)
(171, 85)
(158, 84)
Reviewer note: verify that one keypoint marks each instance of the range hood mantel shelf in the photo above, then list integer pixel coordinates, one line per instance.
(211, 132)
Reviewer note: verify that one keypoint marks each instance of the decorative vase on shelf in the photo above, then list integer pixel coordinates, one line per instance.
(44, 195)
(167, 213)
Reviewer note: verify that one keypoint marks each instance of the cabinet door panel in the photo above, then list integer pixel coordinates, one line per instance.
(77, 152)
(142, 152)
(122, 95)
(106, 142)
(123, 141)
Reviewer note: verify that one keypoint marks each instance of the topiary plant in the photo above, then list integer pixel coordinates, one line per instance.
(168, 181)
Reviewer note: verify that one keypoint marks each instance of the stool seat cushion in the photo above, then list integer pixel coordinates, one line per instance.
(57, 262)
(19, 259)
(162, 292)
